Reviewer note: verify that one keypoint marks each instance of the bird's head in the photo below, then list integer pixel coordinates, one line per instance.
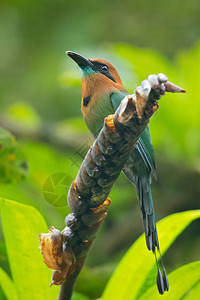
(99, 80)
(97, 75)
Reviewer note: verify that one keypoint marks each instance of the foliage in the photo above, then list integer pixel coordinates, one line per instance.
(30, 277)
(35, 36)
(136, 273)
(13, 166)
(41, 88)
(176, 125)
(184, 283)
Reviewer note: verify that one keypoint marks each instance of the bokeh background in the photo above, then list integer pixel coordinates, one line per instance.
(40, 93)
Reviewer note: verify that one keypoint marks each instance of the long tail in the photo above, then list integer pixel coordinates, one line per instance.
(146, 205)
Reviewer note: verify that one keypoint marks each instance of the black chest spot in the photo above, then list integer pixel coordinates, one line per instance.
(86, 100)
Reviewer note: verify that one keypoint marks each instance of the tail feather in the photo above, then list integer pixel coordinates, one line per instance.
(144, 196)
(149, 222)
(146, 206)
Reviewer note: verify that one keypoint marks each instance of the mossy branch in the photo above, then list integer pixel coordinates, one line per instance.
(65, 252)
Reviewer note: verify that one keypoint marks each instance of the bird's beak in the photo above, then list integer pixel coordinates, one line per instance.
(80, 60)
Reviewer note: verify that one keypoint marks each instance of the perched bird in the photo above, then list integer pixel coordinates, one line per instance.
(102, 93)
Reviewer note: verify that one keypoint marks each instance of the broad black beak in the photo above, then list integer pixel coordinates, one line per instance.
(80, 60)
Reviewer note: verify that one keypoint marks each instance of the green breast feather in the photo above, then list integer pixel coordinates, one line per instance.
(97, 114)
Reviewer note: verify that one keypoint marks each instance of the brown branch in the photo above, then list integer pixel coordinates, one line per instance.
(88, 200)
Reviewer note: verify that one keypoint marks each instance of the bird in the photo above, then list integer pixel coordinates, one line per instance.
(102, 93)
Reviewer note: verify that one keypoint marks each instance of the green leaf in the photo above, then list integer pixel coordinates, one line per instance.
(77, 296)
(181, 281)
(194, 293)
(8, 286)
(2, 249)
(13, 166)
(136, 266)
(21, 226)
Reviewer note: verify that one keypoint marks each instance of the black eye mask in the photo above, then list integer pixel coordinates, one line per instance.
(103, 69)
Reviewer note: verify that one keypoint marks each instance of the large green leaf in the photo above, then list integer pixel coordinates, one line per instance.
(136, 266)
(77, 296)
(21, 226)
(194, 293)
(8, 286)
(181, 281)
(31, 278)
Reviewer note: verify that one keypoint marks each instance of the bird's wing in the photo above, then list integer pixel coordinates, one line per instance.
(138, 168)
(144, 145)
(145, 149)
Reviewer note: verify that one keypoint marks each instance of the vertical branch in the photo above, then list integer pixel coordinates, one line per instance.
(65, 251)
(66, 289)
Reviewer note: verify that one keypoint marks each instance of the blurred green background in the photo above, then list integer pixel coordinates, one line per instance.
(40, 92)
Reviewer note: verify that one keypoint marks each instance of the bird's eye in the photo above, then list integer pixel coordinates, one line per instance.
(104, 68)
